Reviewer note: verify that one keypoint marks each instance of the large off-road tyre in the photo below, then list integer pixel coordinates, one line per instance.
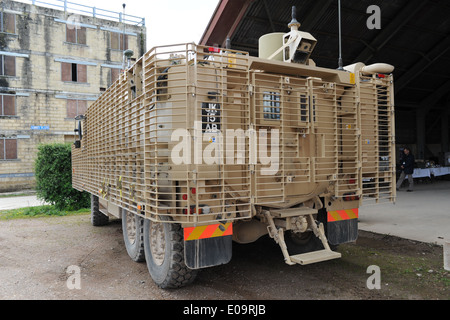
(133, 235)
(164, 253)
(98, 219)
(302, 243)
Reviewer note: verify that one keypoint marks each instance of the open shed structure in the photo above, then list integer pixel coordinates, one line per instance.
(414, 37)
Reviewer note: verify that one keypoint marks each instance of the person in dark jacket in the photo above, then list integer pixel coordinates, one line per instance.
(407, 166)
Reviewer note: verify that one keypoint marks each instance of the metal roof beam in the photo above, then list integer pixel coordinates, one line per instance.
(438, 51)
(435, 97)
(388, 32)
(317, 12)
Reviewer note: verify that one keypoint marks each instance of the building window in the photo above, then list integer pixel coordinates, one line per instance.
(7, 22)
(76, 108)
(73, 72)
(7, 66)
(75, 34)
(7, 105)
(119, 41)
(8, 149)
(271, 103)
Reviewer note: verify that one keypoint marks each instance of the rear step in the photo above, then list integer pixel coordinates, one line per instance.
(316, 256)
(304, 258)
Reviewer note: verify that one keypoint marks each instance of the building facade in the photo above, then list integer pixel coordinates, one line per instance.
(53, 65)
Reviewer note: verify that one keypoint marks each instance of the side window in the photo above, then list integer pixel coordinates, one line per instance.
(119, 41)
(8, 149)
(76, 108)
(7, 105)
(75, 34)
(271, 104)
(73, 72)
(8, 22)
(7, 66)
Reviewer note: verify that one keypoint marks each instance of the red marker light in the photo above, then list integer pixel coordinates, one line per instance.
(214, 50)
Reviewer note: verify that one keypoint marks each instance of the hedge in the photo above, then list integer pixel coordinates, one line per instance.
(53, 170)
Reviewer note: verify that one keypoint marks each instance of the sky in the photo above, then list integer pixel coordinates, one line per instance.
(167, 21)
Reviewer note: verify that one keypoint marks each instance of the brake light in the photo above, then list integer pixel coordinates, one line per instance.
(351, 197)
(352, 181)
(185, 197)
(193, 190)
(381, 76)
(193, 210)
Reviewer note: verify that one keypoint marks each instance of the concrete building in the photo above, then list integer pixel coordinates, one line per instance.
(54, 63)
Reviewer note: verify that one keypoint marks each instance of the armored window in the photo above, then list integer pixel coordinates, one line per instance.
(271, 104)
(76, 108)
(8, 66)
(73, 72)
(7, 22)
(75, 34)
(8, 149)
(119, 41)
(307, 112)
(7, 105)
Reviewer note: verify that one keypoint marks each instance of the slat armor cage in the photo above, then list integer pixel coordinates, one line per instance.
(204, 134)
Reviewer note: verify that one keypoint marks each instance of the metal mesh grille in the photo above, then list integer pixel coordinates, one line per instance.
(193, 133)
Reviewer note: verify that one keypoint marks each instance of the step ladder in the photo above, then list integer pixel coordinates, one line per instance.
(304, 258)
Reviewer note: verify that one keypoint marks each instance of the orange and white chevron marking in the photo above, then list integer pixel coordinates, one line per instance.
(206, 232)
(341, 215)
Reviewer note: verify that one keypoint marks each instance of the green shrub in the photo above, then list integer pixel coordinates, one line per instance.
(53, 169)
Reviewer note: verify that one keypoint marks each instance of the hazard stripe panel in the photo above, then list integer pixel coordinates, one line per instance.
(206, 232)
(341, 215)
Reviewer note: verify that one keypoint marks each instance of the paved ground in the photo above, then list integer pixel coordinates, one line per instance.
(20, 202)
(422, 215)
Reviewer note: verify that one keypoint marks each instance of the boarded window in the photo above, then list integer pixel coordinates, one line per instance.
(8, 149)
(8, 66)
(8, 105)
(76, 108)
(8, 22)
(113, 75)
(73, 72)
(119, 41)
(75, 34)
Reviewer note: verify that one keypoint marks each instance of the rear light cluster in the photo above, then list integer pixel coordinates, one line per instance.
(351, 197)
(202, 209)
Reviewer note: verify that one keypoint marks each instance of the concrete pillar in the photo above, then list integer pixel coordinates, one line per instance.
(420, 134)
(447, 255)
(444, 132)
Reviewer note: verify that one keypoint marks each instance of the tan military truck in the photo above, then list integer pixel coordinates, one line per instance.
(196, 147)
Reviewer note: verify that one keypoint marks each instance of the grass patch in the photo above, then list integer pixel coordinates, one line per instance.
(37, 212)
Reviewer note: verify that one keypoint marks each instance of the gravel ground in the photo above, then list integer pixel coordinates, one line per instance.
(36, 253)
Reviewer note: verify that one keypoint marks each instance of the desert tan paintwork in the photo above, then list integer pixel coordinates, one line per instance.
(336, 138)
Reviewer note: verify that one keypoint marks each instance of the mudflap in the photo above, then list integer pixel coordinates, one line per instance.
(343, 231)
(208, 246)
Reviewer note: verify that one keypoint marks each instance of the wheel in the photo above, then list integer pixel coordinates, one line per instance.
(164, 253)
(133, 235)
(302, 243)
(98, 219)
